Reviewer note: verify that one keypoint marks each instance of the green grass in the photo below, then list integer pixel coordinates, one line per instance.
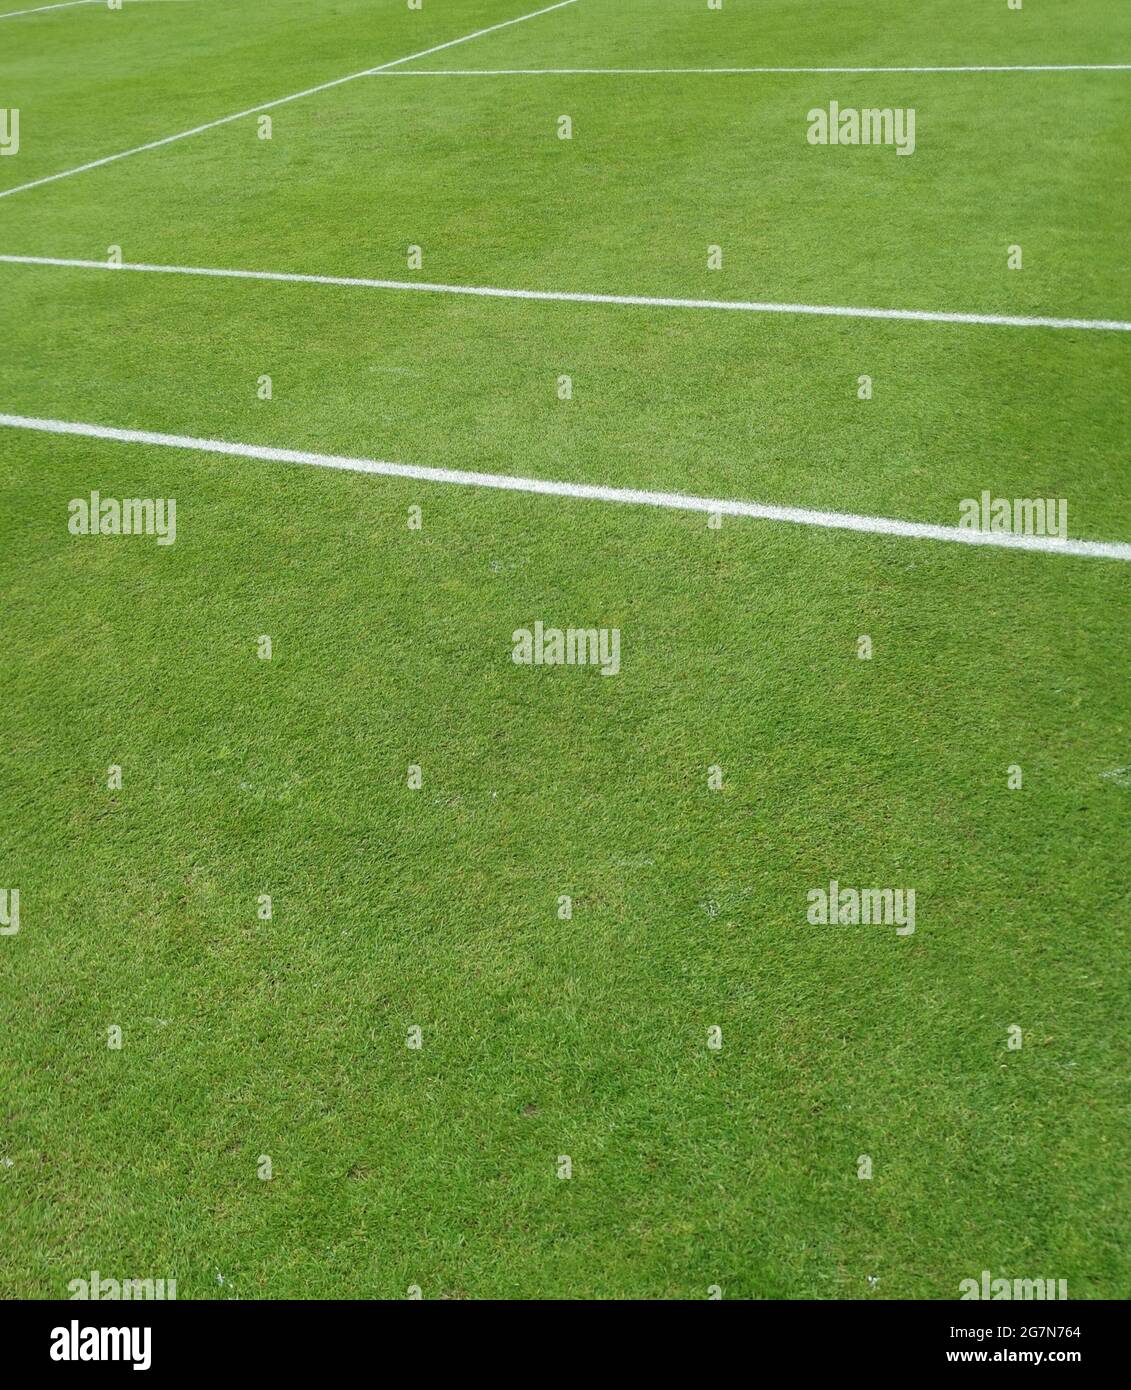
(392, 647)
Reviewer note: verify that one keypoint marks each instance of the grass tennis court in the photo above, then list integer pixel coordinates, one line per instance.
(589, 894)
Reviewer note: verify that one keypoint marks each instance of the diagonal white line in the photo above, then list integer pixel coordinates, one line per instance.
(281, 101)
(59, 5)
(673, 501)
(39, 9)
(576, 297)
(675, 72)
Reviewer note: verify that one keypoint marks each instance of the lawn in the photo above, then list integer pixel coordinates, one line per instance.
(438, 907)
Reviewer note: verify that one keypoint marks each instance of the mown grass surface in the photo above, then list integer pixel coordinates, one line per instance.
(392, 647)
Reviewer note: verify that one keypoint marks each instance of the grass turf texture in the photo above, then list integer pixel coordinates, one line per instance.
(437, 907)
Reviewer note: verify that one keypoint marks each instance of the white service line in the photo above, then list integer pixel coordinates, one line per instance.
(748, 306)
(281, 101)
(675, 72)
(673, 501)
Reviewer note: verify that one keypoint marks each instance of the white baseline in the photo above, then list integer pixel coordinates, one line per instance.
(749, 306)
(280, 101)
(673, 501)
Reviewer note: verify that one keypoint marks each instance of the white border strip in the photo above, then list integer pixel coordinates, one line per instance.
(673, 501)
(749, 306)
(281, 101)
(677, 72)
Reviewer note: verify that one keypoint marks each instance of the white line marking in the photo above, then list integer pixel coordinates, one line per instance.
(39, 9)
(280, 101)
(845, 311)
(673, 72)
(70, 4)
(674, 501)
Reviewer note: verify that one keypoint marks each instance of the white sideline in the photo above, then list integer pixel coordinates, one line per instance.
(280, 101)
(675, 72)
(674, 501)
(848, 311)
